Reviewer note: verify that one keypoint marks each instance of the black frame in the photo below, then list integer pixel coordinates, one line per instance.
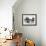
(27, 24)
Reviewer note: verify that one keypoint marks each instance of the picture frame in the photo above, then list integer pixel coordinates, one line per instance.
(29, 19)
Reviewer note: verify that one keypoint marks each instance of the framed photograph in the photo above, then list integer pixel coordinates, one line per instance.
(29, 19)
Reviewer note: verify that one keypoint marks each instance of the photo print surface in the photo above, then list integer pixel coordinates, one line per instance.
(29, 19)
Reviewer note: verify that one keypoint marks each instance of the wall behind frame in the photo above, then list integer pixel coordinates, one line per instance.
(28, 7)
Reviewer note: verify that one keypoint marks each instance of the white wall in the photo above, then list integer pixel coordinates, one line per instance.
(28, 7)
(6, 13)
(43, 22)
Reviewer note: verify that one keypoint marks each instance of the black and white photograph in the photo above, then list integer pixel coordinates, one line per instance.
(29, 19)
